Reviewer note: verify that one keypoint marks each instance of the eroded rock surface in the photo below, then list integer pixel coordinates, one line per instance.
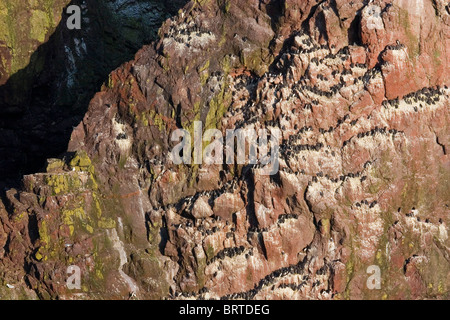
(360, 94)
(48, 73)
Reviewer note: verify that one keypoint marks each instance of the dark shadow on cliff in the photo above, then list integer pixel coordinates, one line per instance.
(40, 104)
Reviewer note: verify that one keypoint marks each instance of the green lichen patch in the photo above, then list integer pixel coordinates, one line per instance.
(413, 42)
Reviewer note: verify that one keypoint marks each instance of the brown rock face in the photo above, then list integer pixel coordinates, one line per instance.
(49, 73)
(359, 93)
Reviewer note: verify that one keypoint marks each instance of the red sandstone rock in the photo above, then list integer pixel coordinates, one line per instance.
(362, 181)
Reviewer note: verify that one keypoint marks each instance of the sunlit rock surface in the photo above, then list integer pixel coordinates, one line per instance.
(360, 94)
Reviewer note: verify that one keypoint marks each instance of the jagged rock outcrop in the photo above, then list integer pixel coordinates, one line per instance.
(49, 73)
(359, 91)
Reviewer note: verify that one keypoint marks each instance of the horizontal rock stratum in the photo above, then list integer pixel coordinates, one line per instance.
(359, 92)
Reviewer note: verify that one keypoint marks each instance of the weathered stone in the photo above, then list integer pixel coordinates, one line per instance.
(202, 209)
(363, 176)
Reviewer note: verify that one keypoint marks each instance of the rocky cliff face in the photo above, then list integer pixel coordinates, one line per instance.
(49, 73)
(359, 91)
